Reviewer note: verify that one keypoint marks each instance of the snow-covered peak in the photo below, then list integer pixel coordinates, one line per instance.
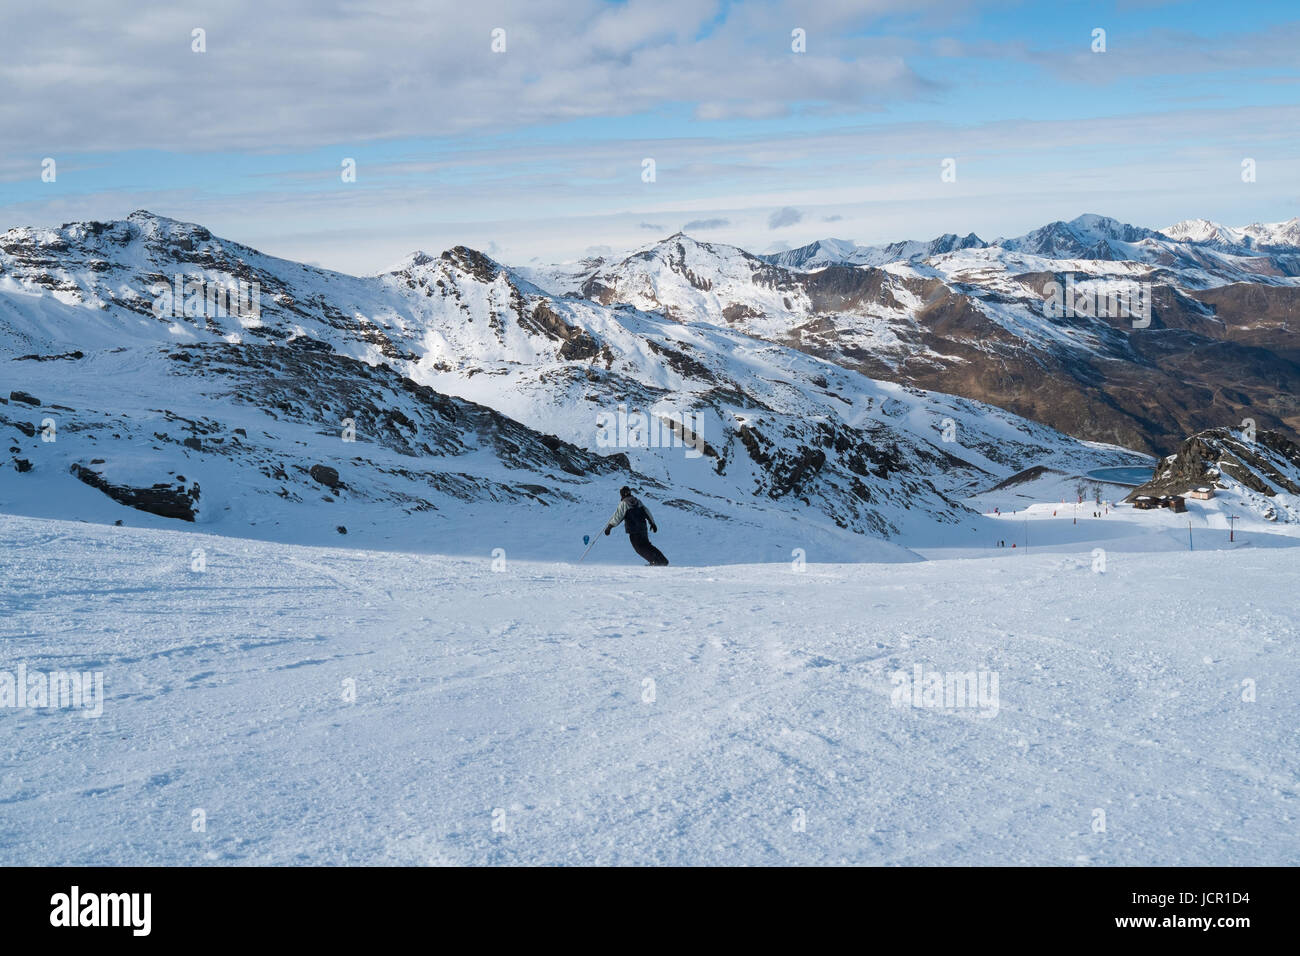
(681, 247)
(409, 263)
(829, 252)
(144, 217)
(471, 261)
(690, 280)
(1259, 471)
(459, 268)
(817, 254)
(1103, 227)
(1085, 237)
(1272, 235)
(1281, 234)
(1199, 230)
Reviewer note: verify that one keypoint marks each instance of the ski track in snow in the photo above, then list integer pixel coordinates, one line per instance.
(522, 691)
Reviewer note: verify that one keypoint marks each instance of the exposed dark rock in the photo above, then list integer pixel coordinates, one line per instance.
(164, 500)
(840, 288)
(327, 476)
(681, 363)
(737, 312)
(50, 358)
(473, 262)
(577, 344)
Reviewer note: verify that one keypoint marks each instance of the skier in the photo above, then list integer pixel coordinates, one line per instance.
(635, 516)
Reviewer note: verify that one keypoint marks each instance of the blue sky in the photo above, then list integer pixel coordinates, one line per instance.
(536, 153)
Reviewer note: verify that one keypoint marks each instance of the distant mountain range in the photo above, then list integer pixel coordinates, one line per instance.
(968, 317)
(1273, 245)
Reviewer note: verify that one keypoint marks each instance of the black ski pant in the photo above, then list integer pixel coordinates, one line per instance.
(642, 546)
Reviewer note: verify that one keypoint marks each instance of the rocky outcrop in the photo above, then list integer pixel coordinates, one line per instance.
(1267, 465)
(325, 475)
(577, 344)
(163, 499)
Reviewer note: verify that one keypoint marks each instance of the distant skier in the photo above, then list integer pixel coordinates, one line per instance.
(635, 516)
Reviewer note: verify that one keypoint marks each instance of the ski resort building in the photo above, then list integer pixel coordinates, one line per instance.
(1175, 503)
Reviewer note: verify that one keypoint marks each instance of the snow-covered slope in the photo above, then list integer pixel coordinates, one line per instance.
(315, 706)
(775, 438)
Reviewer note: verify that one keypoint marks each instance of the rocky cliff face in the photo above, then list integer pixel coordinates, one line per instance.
(1262, 467)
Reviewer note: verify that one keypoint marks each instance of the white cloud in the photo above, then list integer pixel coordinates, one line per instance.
(302, 74)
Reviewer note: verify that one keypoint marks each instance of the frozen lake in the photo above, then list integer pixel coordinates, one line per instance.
(1123, 476)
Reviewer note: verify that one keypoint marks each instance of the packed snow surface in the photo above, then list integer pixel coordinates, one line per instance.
(296, 705)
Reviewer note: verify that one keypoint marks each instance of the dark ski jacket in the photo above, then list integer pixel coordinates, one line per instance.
(633, 514)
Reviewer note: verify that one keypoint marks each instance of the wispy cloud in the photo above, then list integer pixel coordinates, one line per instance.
(785, 216)
(702, 225)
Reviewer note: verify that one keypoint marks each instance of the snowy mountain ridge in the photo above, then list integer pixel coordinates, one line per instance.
(438, 387)
(1088, 236)
(967, 317)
